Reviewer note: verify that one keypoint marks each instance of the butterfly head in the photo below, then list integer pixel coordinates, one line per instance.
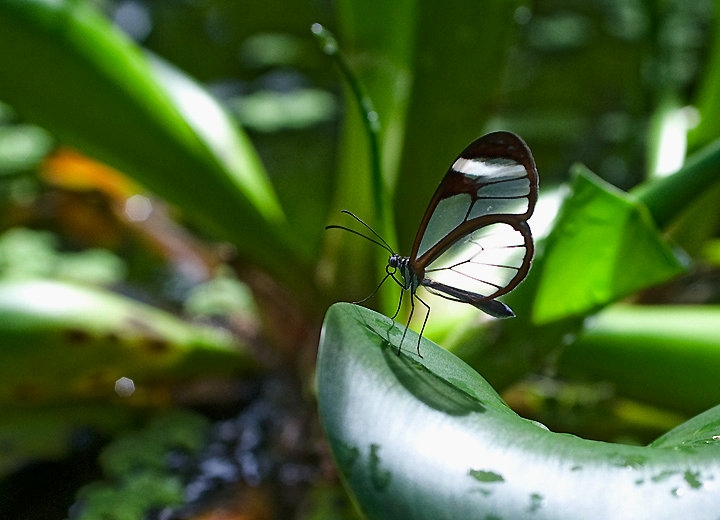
(402, 264)
(396, 261)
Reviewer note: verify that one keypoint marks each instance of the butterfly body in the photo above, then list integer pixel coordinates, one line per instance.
(410, 279)
(473, 243)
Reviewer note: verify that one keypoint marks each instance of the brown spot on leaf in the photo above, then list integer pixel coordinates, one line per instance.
(156, 345)
(99, 382)
(150, 340)
(77, 336)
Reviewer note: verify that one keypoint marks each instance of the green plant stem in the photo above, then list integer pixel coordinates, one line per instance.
(667, 197)
(371, 123)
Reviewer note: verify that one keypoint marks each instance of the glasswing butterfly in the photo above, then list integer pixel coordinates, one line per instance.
(474, 243)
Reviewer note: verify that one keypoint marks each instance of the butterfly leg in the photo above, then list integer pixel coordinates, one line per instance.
(407, 325)
(427, 315)
(375, 291)
(397, 311)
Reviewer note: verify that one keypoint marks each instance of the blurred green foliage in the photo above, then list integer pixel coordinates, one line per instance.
(136, 475)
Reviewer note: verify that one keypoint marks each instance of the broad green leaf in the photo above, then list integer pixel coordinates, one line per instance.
(67, 69)
(604, 246)
(678, 349)
(432, 90)
(456, 79)
(428, 438)
(61, 341)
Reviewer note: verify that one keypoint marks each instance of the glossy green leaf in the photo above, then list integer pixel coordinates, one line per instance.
(67, 69)
(429, 438)
(60, 341)
(678, 348)
(604, 246)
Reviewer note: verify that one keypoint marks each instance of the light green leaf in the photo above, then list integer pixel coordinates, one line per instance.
(61, 341)
(66, 68)
(603, 247)
(678, 348)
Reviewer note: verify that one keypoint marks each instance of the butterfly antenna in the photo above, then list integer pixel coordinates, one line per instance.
(367, 226)
(381, 244)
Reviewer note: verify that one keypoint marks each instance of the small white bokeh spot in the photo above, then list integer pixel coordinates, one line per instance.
(124, 387)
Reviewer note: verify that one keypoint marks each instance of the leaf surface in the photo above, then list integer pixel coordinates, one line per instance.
(429, 438)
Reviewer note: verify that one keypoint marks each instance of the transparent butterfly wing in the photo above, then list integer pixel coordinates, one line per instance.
(474, 243)
(483, 262)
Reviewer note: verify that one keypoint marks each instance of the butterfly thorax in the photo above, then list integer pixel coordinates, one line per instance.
(410, 280)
